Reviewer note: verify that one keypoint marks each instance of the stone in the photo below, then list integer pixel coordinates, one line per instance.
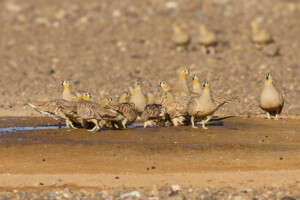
(171, 5)
(133, 194)
(51, 195)
(67, 193)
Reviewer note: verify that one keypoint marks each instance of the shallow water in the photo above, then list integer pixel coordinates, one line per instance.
(4, 130)
(223, 132)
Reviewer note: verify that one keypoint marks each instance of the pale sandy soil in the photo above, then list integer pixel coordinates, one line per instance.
(233, 152)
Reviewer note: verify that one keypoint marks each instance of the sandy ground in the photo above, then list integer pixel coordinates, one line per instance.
(103, 47)
(233, 152)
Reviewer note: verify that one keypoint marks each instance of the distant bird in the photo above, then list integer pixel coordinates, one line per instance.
(203, 107)
(180, 38)
(260, 36)
(207, 39)
(271, 100)
(67, 95)
(176, 111)
(138, 98)
(153, 114)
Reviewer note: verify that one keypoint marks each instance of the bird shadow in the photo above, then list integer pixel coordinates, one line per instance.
(215, 124)
(221, 118)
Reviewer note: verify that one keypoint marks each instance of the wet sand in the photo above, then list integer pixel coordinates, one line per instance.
(234, 151)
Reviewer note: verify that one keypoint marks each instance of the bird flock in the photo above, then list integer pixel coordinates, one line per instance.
(177, 106)
(208, 40)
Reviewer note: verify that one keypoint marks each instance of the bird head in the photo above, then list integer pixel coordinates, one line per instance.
(183, 74)
(131, 90)
(106, 101)
(86, 96)
(176, 28)
(205, 86)
(202, 28)
(124, 97)
(137, 85)
(149, 96)
(78, 96)
(164, 86)
(254, 26)
(268, 79)
(66, 84)
(195, 79)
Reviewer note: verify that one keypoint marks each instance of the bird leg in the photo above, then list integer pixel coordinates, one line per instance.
(193, 122)
(268, 115)
(203, 124)
(59, 124)
(125, 120)
(207, 119)
(145, 124)
(211, 50)
(96, 128)
(102, 123)
(70, 124)
(84, 123)
(276, 117)
(175, 122)
(203, 49)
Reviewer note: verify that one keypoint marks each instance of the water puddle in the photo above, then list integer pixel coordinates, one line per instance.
(12, 118)
(13, 129)
(285, 149)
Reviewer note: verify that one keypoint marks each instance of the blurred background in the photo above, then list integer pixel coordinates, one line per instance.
(103, 47)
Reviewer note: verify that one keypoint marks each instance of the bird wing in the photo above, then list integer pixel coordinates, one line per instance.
(151, 111)
(92, 110)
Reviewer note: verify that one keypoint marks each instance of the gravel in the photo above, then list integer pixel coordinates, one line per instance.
(105, 46)
(171, 192)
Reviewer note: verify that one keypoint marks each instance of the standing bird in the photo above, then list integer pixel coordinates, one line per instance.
(207, 39)
(58, 109)
(271, 100)
(180, 91)
(94, 112)
(203, 107)
(260, 36)
(138, 98)
(176, 111)
(153, 114)
(180, 38)
(67, 95)
(181, 88)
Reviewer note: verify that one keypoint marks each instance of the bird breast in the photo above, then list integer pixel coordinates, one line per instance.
(139, 100)
(181, 39)
(270, 97)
